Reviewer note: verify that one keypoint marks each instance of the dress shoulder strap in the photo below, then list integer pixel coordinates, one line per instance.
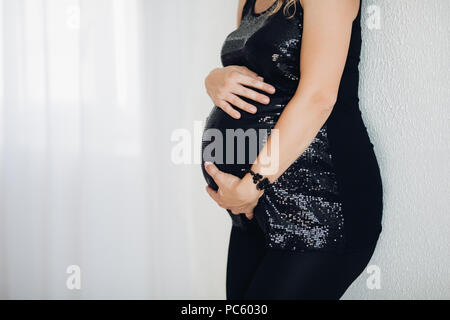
(247, 7)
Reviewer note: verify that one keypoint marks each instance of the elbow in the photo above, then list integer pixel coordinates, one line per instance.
(324, 100)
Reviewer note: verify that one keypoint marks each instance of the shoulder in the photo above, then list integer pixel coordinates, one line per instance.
(241, 5)
(345, 8)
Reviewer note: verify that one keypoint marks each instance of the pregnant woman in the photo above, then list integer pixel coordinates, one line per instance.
(286, 151)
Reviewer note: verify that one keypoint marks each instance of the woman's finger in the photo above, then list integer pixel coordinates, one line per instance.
(228, 109)
(257, 84)
(248, 72)
(251, 94)
(249, 216)
(241, 104)
(217, 175)
(235, 212)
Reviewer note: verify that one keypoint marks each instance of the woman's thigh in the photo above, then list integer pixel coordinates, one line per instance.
(245, 253)
(306, 275)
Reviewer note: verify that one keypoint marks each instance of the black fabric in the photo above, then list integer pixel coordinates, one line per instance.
(257, 273)
(316, 228)
(331, 198)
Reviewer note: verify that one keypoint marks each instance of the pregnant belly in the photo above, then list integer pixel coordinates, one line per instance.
(233, 144)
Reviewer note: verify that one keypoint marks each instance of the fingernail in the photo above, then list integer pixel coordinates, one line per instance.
(253, 110)
(207, 163)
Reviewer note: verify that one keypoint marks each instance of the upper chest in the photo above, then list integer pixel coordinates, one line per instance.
(268, 45)
(261, 35)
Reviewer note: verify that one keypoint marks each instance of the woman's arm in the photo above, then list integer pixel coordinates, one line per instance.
(326, 39)
(326, 36)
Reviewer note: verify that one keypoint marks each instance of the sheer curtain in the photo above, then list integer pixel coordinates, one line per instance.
(90, 94)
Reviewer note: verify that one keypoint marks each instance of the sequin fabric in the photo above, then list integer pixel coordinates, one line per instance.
(302, 210)
(256, 37)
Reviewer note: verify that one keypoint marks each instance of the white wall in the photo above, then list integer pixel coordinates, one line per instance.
(405, 99)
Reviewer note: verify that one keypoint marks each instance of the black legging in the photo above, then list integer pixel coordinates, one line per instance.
(254, 272)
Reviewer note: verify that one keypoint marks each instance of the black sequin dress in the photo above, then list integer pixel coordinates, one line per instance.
(330, 198)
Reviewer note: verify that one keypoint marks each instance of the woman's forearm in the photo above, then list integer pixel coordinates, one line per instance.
(327, 30)
(325, 42)
(295, 130)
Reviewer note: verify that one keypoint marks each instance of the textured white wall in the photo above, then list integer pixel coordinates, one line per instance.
(405, 101)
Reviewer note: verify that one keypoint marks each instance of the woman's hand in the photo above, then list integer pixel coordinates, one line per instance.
(238, 195)
(225, 85)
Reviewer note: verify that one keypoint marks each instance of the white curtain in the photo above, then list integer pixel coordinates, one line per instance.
(90, 94)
